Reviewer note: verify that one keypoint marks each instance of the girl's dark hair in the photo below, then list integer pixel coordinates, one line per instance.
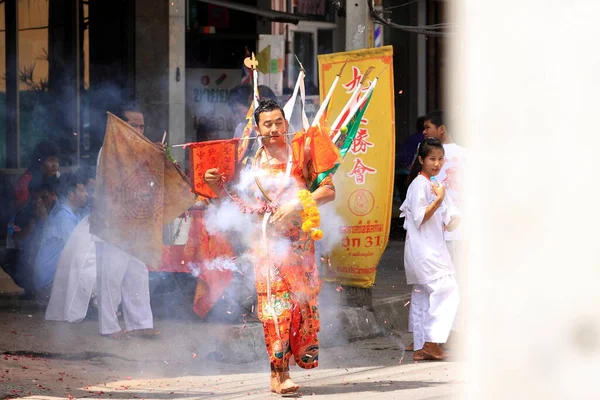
(424, 149)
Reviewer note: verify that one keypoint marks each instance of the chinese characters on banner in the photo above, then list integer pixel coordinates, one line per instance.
(364, 181)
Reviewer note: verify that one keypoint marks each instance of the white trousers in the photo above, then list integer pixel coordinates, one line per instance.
(434, 307)
(456, 248)
(122, 277)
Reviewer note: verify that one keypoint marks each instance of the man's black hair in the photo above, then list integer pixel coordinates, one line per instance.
(127, 107)
(436, 117)
(267, 105)
(68, 183)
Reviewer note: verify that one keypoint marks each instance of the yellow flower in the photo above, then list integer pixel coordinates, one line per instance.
(311, 217)
(316, 234)
(307, 226)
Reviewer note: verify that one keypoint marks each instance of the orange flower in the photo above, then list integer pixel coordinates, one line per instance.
(316, 234)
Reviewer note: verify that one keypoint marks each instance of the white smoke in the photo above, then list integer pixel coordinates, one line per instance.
(331, 225)
(219, 264)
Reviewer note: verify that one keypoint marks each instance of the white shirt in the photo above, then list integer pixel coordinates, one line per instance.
(452, 176)
(426, 257)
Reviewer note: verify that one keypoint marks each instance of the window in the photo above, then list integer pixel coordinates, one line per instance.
(317, 10)
(36, 114)
(52, 75)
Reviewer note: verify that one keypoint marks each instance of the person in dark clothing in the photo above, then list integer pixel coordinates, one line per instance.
(27, 227)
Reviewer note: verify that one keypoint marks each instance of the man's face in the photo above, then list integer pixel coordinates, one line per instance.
(136, 120)
(272, 127)
(79, 197)
(433, 131)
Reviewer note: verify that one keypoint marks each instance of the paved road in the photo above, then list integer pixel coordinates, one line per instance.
(373, 368)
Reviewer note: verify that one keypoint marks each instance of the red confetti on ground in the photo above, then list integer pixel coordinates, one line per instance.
(193, 355)
(339, 288)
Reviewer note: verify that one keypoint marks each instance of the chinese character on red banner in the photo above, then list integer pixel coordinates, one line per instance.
(360, 144)
(359, 170)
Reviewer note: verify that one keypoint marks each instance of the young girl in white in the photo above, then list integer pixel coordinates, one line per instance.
(427, 262)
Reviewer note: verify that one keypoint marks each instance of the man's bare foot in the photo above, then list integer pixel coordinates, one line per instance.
(121, 335)
(148, 333)
(274, 383)
(282, 383)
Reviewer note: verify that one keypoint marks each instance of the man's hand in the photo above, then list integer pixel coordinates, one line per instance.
(212, 176)
(285, 211)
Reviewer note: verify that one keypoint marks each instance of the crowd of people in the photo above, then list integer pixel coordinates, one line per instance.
(58, 263)
(48, 206)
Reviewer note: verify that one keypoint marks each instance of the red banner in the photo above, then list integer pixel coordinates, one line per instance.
(221, 154)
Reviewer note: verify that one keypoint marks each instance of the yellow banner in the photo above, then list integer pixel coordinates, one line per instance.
(365, 180)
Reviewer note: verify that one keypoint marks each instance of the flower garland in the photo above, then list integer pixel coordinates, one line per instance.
(311, 218)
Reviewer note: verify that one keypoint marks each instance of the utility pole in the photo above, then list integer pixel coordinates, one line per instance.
(359, 25)
(359, 35)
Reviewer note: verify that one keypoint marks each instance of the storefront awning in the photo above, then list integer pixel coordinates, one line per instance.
(276, 16)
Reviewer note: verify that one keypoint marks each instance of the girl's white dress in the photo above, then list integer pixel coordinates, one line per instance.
(428, 266)
(426, 256)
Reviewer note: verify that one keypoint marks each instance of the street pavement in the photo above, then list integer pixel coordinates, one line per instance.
(368, 369)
